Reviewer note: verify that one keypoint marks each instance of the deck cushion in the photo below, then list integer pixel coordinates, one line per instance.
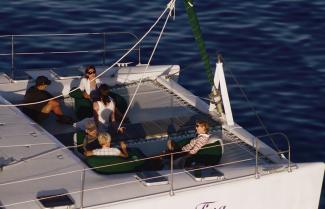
(122, 166)
(83, 107)
(120, 102)
(209, 154)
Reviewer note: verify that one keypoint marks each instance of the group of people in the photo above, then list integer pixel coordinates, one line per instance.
(42, 102)
(99, 143)
(104, 107)
(97, 140)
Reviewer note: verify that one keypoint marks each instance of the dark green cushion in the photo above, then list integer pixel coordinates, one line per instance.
(80, 137)
(209, 154)
(95, 161)
(77, 94)
(83, 107)
(122, 163)
(79, 140)
(120, 102)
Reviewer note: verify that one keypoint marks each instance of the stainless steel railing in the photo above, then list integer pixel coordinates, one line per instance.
(14, 52)
(288, 151)
(83, 190)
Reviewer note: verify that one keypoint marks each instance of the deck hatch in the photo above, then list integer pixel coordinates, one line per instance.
(57, 201)
(205, 174)
(151, 178)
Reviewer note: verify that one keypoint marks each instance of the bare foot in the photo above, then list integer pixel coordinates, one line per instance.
(170, 145)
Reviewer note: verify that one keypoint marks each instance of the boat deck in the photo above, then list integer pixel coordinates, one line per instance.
(33, 159)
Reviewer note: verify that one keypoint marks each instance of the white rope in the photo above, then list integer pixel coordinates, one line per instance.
(170, 6)
(131, 49)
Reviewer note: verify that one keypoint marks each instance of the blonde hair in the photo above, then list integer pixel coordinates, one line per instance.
(104, 138)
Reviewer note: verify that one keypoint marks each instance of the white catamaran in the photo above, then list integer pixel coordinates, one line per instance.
(42, 166)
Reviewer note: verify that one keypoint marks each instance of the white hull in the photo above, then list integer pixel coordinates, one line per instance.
(298, 189)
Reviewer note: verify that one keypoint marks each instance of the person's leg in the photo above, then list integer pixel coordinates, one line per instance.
(179, 158)
(181, 161)
(172, 146)
(52, 106)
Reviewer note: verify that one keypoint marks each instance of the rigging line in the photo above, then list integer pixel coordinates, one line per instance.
(253, 109)
(147, 65)
(131, 49)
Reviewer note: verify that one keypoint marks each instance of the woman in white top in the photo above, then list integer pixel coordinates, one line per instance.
(104, 109)
(88, 84)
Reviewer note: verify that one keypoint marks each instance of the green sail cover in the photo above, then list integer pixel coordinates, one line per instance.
(194, 22)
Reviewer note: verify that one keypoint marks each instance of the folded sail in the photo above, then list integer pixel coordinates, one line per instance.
(194, 22)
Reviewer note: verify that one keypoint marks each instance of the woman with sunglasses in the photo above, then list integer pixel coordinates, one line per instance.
(88, 84)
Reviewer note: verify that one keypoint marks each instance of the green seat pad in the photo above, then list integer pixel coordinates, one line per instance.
(120, 102)
(80, 137)
(124, 165)
(209, 154)
(83, 107)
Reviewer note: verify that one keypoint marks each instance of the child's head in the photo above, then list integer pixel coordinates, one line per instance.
(104, 138)
(202, 126)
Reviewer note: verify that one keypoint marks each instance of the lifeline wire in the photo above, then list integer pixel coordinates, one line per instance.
(131, 49)
(253, 109)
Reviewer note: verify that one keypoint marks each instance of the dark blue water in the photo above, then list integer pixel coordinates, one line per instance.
(275, 48)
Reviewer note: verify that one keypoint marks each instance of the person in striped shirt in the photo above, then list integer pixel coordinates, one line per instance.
(202, 138)
(106, 150)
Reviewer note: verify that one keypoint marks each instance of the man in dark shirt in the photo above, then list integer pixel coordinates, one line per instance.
(41, 111)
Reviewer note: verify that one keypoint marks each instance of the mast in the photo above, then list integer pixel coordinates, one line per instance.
(219, 98)
(195, 25)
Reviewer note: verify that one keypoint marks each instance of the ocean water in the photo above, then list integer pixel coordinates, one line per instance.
(273, 50)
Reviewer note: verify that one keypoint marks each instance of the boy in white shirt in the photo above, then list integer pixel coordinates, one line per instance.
(106, 150)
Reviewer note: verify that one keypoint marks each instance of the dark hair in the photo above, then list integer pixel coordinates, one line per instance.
(88, 68)
(103, 93)
(204, 124)
(42, 80)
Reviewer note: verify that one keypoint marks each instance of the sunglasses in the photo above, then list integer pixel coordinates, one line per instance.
(92, 130)
(91, 72)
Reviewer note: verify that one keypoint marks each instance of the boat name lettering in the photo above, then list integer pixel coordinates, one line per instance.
(210, 205)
